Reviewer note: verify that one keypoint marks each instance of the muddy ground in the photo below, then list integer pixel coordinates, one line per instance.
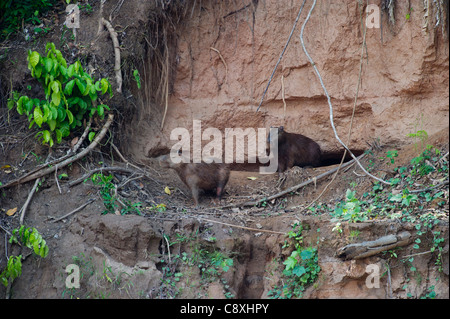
(158, 253)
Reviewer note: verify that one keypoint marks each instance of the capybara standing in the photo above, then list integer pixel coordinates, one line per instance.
(296, 150)
(196, 176)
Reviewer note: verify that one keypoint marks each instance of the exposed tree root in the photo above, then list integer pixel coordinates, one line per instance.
(113, 35)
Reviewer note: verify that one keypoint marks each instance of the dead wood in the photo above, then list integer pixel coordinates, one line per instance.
(370, 248)
(74, 211)
(44, 171)
(293, 188)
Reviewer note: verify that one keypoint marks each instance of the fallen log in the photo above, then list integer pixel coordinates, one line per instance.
(370, 248)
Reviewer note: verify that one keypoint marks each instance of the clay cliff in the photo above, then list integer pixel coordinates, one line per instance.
(223, 55)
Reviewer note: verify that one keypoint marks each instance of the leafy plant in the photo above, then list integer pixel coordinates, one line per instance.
(352, 208)
(12, 271)
(15, 12)
(391, 155)
(301, 268)
(110, 199)
(70, 95)
(420, 135)
(31, 238)
(137, 78)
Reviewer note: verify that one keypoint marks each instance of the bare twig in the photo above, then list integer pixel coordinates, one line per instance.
(51, 169)
(293, 188)
(243, 227)
(58, 160)
(30, 196)
(74, 211)
(281, 55)
(223, 61)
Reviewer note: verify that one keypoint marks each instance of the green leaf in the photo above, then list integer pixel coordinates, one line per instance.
(46, 136)
(33, 58)
(91, 136)
(50, 46)
(52, 124)
(46, 111)
(29, 106)
(65, 130)
(104, 85)
(290, 263)
(299, 271)
(80, 86)
(71, 70)
(58, 136)
(37, 114)
(306, 254)
(69, 116)
(100, 111)
(54, 112)
(56, 98)
(69, 87)
(48, 64)
(63, 70)
(38, 71)
(55, 86)
(60, 59)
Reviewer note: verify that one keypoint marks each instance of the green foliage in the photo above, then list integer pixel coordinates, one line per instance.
(352, 209)
(31, 238)
(420, 135)
(421, 164)
(109, 196)
(137, 78)
(391, 155)
(70, 96)
(15, 12)
(301, 268)
(12, 271)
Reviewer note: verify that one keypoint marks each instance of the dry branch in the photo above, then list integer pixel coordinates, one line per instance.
(72, 159)
(30, 196)
(74, 211)
(293, 188)
(243, 227)
(57, 160)
(370, 248)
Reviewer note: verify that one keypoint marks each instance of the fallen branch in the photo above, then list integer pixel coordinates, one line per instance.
(60, 159)
(74, 211)
(293, 188)
(370, 248)
(243, 227)
(30, 196)
(64, 163)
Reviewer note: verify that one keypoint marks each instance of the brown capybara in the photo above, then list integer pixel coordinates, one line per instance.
(200, 176)
(296, 150)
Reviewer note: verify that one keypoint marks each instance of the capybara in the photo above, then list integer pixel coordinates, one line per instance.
(296, 150)
(205, 176)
